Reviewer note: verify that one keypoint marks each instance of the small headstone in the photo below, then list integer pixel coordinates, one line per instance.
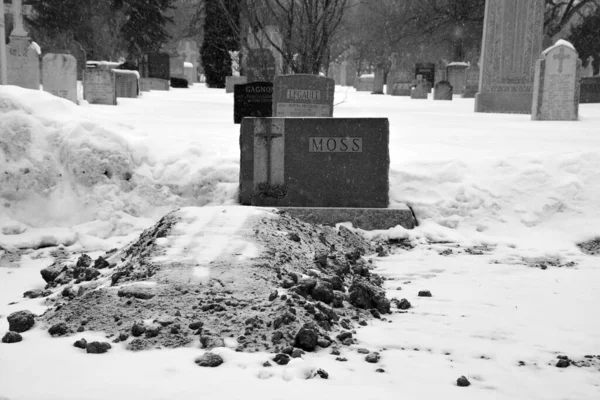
(176, 67)
(155, 84)
(158, 66)
(253, 99)
(99, 86)
(127, 83)
(420, 91)
(441, 73)
(145, 85)
(315, 162)
(365, 83)
(260, 66)
(303, 96)
(426, 71)
(379, 81)
(588, 71)
(443, 91)
(335, 72)
(457, 76)
(231, 81)
(556, 84)
(512, 41)
(189, 72)
(59, 75)
(348, 73)
(23, 63)
(472, 82)
(590, 90)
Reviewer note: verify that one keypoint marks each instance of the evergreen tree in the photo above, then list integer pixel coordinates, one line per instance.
(219, 39)
(145, 28)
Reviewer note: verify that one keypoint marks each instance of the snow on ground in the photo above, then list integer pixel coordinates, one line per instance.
(526, 190)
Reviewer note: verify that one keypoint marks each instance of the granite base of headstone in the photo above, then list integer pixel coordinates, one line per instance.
(314, 162)
(231, 81)
(556, 84)
(252, 100)
(99, 86)
(303, 95)
(590, 90)
(23, 63)
(127, 83)
(443, 91)
(59, 75)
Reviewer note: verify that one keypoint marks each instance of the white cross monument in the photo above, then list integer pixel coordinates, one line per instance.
(18, 10)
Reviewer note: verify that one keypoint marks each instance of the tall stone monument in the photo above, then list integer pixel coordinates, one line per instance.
(23, 59)
(512, 41)
(556, 86)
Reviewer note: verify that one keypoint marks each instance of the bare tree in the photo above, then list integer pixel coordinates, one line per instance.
(306, 29)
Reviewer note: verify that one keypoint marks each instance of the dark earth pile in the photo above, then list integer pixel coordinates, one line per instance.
(310, 286)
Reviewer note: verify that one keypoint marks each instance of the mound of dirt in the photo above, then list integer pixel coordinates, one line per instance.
(274, 278)
(591, 247)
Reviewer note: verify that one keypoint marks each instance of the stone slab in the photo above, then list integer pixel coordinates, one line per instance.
(126, 83)
(158, 66)
(59, 75)
(253, 99)
(23, 63)
(303, 95)
(315, 162)
(99, 86)
(368, 219)
(157, 84)
(364, 83)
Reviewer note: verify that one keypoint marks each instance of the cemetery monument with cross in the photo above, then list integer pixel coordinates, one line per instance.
(19, 64)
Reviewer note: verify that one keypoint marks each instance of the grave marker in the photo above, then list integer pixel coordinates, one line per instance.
(556, 84)
(512, 42)
(378, 81)
(23, 63)
(303, 96)
(443, 91)
(335, 72)
(588, 71)
(315, 162)
(590, 90)
(158, 66)
(426, 71)
(457, 76)
(176, 67)
(59, 75)
(99, 86)
(127, 83)
(365, 83)
(231, 81)
(188, 49)
(252, 100)
(472, 81)
(260, 65)
(348, 73)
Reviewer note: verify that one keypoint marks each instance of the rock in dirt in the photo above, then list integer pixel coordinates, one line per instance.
(81, 343)
(211, 342)
(307, 337)
(380, 370)
(209, 359)
(196, 325)
(562, 363)
(297, 353)
(101, 263)
(402, 304)
(139, 292)
(84, 261)
(138, 330)
(97, 347)
(344, 335)
(322, 373)
(281, 359)
(274, 294)
(463, 382)
(34, 294)
(372, 358)
(323, 291)
(59, 329)
(367, 296)
(424, 293)
(21, 321)
(12, 337)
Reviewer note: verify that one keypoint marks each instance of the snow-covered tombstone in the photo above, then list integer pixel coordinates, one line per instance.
(303, 95)
(99, 86)
(457, 76)
(364, 83)
(556, 85)
(59, 75)
(127, 83)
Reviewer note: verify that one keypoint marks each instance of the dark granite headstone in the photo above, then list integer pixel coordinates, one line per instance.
(260, 66)
(126, 83)
(159, 66)
(472, 83)
(443, 91)
(303, 96)
(590, 90)
(315, 162)
(252, 100)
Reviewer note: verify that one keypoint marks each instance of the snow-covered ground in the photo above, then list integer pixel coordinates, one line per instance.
(92, 177)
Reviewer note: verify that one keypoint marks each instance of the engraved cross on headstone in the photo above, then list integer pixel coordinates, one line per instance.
(268, 137)
(561, 57)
